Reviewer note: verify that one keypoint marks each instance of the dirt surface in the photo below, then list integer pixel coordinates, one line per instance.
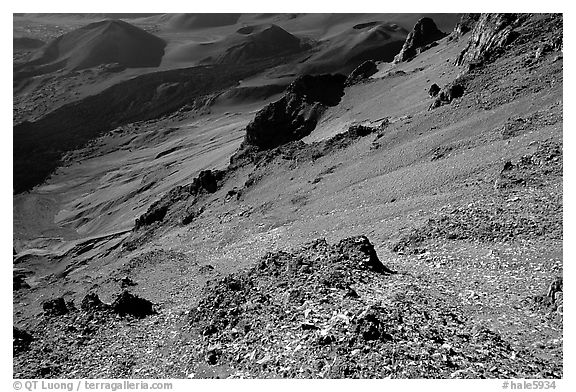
(395, 240)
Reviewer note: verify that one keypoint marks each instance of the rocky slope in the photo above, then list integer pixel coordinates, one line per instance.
(386, 235)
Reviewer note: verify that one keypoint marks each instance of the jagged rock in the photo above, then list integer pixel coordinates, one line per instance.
(424, 33)
(507, 166)
(213, 354)
(18, 280)
(91, 302)
(466, 23)
(434, 90)
(553, 300)
(554, 44)
(326, 89)
(192, 213)
(361, 249)
(156, 212)
(130, 304)
(363, 71)
(555, 287)
(360, 130)
(206, 182)
(354, 132)
(20, 340)
(55, 307)
(296, 114)
(491, 34)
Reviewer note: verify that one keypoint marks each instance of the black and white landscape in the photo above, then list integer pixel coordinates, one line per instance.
(288, 195)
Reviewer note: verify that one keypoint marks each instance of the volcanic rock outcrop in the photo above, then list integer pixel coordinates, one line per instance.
(362, 72)
(466, 23)
(424, 33)
(296, 114)
(206, 182)
(491, 33)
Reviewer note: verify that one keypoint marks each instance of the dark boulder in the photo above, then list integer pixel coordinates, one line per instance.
(296, 114)
(326, 89)
(213, 354)
(454, 91)
(130, 304)
(18, 280)
(55, 307)
(448, 94)
(370, 326)
(155, 213)
(424, 33)
(362, 72)
(434, 90)
(207, 181)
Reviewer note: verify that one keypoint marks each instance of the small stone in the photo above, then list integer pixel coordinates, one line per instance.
(309, 326)
(267, 358)
(127, 282)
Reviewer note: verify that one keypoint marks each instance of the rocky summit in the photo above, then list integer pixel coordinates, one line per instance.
(424, 33)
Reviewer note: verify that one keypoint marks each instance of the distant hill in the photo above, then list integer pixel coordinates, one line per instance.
(376, 40)
(242, 44)
(198, 21)
(259, 41)
(110, 41)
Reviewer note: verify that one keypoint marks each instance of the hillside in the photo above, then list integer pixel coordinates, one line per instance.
(107, 42)
(384, 202)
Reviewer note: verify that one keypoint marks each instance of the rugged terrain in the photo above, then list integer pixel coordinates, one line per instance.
(399, 217)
